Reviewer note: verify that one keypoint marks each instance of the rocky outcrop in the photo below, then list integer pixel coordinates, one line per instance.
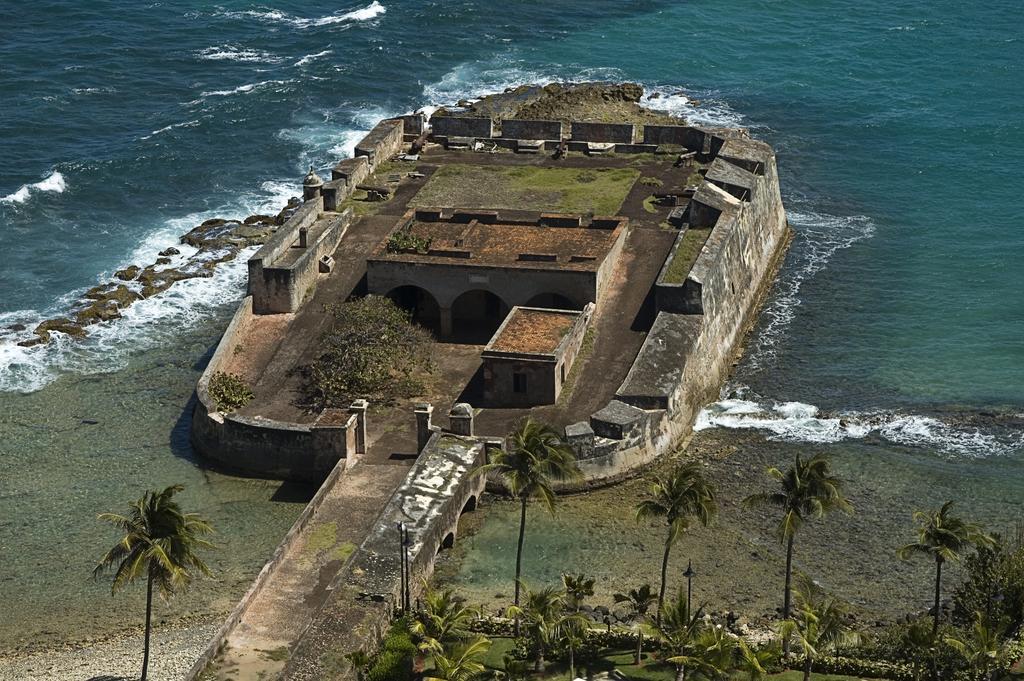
(217, 241)
(597, 102)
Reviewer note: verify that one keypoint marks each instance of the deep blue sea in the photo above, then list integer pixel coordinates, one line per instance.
(897, 320)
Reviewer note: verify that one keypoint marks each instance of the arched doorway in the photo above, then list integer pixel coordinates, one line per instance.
(476, 315)
(423, 306)
(554, 301)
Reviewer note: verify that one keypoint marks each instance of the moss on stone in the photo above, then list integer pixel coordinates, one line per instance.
(686, 254)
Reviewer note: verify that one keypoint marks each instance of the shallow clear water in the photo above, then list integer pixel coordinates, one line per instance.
(898, 129)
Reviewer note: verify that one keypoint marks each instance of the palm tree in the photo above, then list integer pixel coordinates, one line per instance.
(680, 497)
(443, 619)
(821, 625)
(544, 618)
(943, 537)
(159, 542)
(754, 662)
(807, 490)
(534, 458)
(712, 654)
(572, 632)
(463, 664)
(679, 629)
(638, 602)
(918, 643)
(984, 649)
(578, 587)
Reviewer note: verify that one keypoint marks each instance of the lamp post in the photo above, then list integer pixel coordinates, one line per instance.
(689, 585)
(401, 563)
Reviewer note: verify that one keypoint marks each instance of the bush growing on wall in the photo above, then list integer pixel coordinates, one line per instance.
(394, 662)
(229, 391)
(373, 350)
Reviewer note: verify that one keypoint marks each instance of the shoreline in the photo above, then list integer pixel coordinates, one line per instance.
(174, 647)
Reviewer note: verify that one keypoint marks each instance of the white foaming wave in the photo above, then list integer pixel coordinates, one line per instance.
(145, 324)
(109, 345)
(820, 236)
(239, 54)
(172, 126)
(801, 422)
(241, 89)
(310, 58)
(273, 16)
(54, 182)
(708, 110)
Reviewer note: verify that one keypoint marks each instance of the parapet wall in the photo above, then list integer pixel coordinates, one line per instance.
(383, 142)
(686, 358)
(264, 447)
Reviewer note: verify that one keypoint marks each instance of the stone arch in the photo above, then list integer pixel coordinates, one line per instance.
(421, 303)
(469, 506)
(476, 315)
(447, 543)
(555, 301)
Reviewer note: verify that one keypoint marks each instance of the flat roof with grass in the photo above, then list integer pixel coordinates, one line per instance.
(686, 254)
(533, 331)
(595, 191)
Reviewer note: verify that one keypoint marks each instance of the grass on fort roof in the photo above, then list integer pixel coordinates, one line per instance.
(599, 191)
(686, 254)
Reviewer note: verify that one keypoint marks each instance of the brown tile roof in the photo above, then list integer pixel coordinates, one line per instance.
(533, 331)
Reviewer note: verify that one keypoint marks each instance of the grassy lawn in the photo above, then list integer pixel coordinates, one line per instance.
(649, 670)
(686, 254)
(600, 191)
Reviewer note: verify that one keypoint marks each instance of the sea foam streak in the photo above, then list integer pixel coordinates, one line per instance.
(800, 422)
(371, 11)
(239, 54)
(54, 182)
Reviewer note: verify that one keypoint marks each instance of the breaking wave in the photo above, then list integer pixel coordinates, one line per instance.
(54, 182)
(239, 54)
(274, 16)
(241, 89)
(800, 422)
(310, 58)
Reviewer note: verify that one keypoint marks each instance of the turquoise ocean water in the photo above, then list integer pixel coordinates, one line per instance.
(893, 337)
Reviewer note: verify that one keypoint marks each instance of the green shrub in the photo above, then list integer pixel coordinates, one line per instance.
(394, 662)
(373, 350)
(651, 182)
(229, 391)
(404, 240)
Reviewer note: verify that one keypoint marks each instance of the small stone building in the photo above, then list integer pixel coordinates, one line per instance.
(529, 358)
(461, 272)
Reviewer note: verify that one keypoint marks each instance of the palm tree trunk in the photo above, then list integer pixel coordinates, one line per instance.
(938, 594)
(639, 645)
(664, 577)
(519, 556)
(680, 673)
(788, 595)
(807, 668)
(572, 662)
(149, 614)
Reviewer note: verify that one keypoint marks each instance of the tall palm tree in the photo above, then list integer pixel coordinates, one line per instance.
(578, 588)
(160, 542)
(535, 457)
(679, 629)
(638, 602)
(943, 537)
(680, 497)
(820, 625)
(807, 490)
(442, 620)
(462, 664)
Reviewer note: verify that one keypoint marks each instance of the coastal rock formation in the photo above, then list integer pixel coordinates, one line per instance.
(216, 240)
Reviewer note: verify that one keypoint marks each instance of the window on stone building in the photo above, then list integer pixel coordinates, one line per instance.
(518, 382)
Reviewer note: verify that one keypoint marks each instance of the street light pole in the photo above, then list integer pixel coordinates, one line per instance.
(401, 564)
(689, 585)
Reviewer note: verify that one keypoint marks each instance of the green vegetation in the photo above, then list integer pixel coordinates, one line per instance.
(229, 391)
(160, 542)
(403, 240)
(680, 498)
(807, 490)
(600, 191)
(394, 662)
(686, 254)
(651, 182)
(534, 458)
(373, 350)
(651, 204)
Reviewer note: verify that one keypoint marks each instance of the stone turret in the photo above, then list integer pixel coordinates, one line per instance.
(311, 185)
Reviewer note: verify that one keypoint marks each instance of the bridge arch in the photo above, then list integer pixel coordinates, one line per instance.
(420, 303)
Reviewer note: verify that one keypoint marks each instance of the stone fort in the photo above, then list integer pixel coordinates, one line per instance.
(599, 276)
